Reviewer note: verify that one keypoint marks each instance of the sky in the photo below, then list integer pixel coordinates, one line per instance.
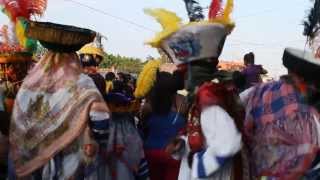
(263, 27)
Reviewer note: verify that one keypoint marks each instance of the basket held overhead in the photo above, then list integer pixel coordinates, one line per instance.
(58, 37)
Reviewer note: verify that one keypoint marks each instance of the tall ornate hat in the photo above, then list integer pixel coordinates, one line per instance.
(303, 62)
(199, 39)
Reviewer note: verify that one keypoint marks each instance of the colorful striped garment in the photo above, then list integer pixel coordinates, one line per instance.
(59, 119)
(281, 131)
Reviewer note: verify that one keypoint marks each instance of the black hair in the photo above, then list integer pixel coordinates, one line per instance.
(88, 60)
(239, 80)
(249, 58)
(110, 76)
(121, 87)
(99, 82)
(164, 91)
(201, 71)
(118, 86)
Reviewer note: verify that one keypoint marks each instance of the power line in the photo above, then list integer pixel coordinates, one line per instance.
(146, 28)
(113, 16)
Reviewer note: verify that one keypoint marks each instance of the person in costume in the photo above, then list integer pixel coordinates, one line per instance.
(110, 76)
(125, 146)
(60, 121)
(163, 121)
(91, 56)
(252, 72)
(282, 118)
(13, 68)
(127, 81)
(212, 139)
(16, 51)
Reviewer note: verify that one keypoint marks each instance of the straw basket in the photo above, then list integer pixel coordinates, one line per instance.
(60, 38)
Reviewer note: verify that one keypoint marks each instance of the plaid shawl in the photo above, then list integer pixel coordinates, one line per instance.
(280, 130)
(51, 111)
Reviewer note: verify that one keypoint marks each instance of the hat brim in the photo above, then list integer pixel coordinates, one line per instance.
(302, 63)
(89, 49)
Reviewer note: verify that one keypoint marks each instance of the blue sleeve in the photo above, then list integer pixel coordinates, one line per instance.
(99, 124)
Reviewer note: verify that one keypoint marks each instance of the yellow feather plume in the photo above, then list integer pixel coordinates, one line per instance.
(20, 33)
(146, 78)
(169, 21)
(228, 10)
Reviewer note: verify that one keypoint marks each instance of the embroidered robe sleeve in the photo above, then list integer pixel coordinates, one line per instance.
(222, 142)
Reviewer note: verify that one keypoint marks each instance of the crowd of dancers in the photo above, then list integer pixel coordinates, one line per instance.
(182, 118)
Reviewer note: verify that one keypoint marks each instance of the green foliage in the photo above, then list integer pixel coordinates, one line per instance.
(122, 63)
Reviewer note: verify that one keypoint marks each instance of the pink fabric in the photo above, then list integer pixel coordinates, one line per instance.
(54, 97)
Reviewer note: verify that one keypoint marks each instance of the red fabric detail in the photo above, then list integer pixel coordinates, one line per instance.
(303, 88)
(118, 149)
(196, 141)
(211, 94)
(162, 166)
(182, 68)
(182, 131)
(90, 70)
(195, 137)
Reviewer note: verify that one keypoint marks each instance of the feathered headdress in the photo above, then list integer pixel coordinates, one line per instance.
(20, 12)
(194, 10)
(219, 14)
(302, 62)
(171, 23)
(312, 23)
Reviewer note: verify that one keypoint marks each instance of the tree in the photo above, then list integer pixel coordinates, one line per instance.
(122, 63)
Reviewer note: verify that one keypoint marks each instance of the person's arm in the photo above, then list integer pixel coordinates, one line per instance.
(245, 95)
(179, 147)
(99, 121)
(244, 72)
(263, 71)
(223, 142)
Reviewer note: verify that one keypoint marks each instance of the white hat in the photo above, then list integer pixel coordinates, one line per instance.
(195, 40)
